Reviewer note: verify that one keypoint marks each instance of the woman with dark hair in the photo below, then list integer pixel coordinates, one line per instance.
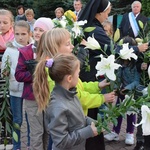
(20, 13)
(96, 12)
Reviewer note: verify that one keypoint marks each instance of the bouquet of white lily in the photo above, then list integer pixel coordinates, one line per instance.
(109, 67)
(128, 105)
(108, 64)
(70, 22)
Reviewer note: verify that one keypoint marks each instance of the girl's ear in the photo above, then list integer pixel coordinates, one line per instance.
(69, 78)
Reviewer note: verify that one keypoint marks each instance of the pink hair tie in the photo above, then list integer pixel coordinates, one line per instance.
(49, 63)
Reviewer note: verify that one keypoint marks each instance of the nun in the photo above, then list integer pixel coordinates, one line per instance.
(96, 12)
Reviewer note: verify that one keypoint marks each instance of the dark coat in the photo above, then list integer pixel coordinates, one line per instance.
(125, 27)
(103, 39)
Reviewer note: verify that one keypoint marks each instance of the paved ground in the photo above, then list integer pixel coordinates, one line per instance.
(120, 145)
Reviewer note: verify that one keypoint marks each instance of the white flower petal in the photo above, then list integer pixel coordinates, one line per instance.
(81, 23)
(107, 66)
(145, 120)
(126, 53)
(111, 75)
(92, 43)
(63, 23)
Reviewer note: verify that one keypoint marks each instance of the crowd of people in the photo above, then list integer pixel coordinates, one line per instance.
(61, 99)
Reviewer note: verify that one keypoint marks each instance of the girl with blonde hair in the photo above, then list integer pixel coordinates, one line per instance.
(6, 28)
(22, 38)
(50, 44)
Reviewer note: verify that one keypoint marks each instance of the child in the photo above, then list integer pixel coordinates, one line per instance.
(129, 78)
(20, 13)
(22, 38)
(108, 28)
(58, 41)
(59, 12)
(52, 43)
(6, 29)
(29, 13)
(67, 124)
(22, 74)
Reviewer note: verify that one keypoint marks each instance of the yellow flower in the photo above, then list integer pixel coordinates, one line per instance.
(70, 14)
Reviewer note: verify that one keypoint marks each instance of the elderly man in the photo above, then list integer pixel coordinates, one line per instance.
(129, 25)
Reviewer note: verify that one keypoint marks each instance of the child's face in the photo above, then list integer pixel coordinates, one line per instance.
(107, 29)
(29, 17)
(75, 77)
(37, 33)
(20, 11)
(66, 47)
(21, 35)
(58, 14)
(5, 24)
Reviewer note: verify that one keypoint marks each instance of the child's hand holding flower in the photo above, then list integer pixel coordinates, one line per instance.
(103, 84)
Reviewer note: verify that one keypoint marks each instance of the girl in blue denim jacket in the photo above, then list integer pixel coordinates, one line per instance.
(129, 78)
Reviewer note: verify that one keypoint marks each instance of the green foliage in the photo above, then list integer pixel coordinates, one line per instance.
(146, 7)
(5, 113)
(47, 7)
(112, 112)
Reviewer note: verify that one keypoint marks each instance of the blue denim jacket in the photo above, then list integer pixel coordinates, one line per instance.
(129, 77)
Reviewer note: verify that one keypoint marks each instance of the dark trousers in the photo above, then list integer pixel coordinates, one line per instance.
(147, 142)
(139, 133)
(95, 143)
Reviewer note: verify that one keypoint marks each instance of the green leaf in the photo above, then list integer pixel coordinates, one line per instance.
(15, 136)
(3, 106)
(8, 127)
(16, 126)
(120, 42)
(5, 141)
(89, 29)
(107, 128)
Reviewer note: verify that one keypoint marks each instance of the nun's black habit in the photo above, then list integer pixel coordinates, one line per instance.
(91, 9)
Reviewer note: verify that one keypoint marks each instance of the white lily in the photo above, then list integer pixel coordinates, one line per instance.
(92, 43)
(81, 23)
(63, 23)
(107, 66)
(149, 71)
(126, 53)
(76, 29)
(145, 111)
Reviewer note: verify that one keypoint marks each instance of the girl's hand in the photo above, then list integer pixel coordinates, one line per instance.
(94, 129)
(83, 42)
(103, 84)
(110, 97)
(143, 47)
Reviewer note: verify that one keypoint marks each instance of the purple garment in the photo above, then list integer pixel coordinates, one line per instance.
(131, 119)
(22, 74)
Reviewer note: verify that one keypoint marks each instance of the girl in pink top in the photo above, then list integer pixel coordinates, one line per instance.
(6, 28)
